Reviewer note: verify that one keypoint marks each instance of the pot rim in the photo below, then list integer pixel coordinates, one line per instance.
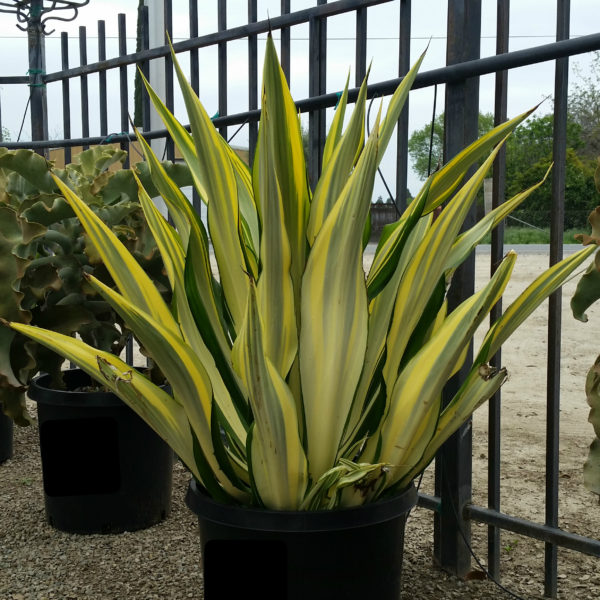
(40, 391)
(258, 519)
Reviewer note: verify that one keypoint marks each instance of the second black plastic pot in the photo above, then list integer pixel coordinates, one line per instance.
(6, 437)
(104, 469)
(347, 554)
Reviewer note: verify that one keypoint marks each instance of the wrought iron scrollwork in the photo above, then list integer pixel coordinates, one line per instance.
(29, 13)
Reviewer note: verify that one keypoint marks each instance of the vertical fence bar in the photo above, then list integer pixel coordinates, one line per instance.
(36, 72)
(317, 85)
(124, 106)
(361, 46)
(194, 57)
(85, 109)
(285, 42)
(497, 252)
(453, 465)
(145, 67)
(253, 79)
(66, 93)
(402, 135)
(102, 79)
(169, 91)
(123, 91)
(195, 80)
(222, 52)
(559, 145)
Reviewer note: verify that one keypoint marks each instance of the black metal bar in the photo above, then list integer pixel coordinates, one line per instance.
(194, 60)
(195, 80)
(222, 67)
(432, 503)
(322, 68)
(37, 68)
(497, 252)
(313, 142)
(545, 533)
(253, 79)
(85, 107)
(559, 147)
(453, 464)
(448, 74)
(124, 96)
(361, 46)
(17, 80)
(402, 132)
(285, 41)
(235, 33)
(124, 106)
(145, 67)
(169, 89)
(317, 85)
(66, 93)
(102, 79)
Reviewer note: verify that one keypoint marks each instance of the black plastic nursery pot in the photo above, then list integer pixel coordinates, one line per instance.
(6, 437)
(104, 469)
(346, 554)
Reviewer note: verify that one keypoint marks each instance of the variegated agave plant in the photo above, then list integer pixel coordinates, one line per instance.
(299, 381)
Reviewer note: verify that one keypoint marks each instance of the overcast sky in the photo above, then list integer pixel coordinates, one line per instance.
(533, 22)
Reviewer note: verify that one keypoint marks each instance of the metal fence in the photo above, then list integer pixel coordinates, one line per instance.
(451, 504)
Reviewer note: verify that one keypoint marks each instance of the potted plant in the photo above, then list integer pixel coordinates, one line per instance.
(84, 434)
(306, 393)
(588, 292)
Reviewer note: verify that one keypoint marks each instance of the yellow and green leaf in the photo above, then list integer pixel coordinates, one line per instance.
(337, 170)
(289, 164)
(335, 316)
(275, 291)
(278, 462)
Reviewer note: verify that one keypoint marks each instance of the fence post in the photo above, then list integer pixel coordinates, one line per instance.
(317, 77)
(453, 464)
(559, 149)
(37, 69)
(402, 139)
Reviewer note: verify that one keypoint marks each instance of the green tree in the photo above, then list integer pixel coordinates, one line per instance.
(419, 141)
(584, 107)
(580, 193)
(528, 157)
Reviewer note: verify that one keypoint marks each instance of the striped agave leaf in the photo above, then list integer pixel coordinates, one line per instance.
(289, 164)
(275, 290)
(338, 168)
(335, 131)
(335, 316)
(276, 456)
(420, 383)
(423, 274)
(163, 412)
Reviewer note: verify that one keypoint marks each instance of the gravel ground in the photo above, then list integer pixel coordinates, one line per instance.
(39, 563)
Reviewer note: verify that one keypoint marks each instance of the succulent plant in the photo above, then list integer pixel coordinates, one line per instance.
(588, 292)
(44, 253)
